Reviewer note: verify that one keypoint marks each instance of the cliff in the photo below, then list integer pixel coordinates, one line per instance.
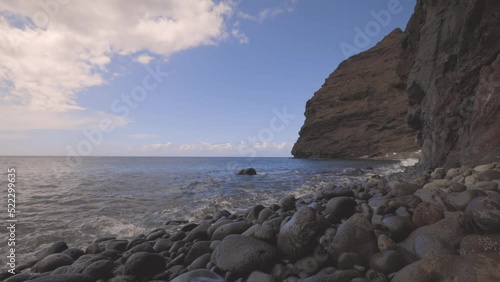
(361, 108)
(451, 63)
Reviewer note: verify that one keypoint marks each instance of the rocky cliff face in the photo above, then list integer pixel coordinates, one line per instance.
(451, 63)
(361, 109)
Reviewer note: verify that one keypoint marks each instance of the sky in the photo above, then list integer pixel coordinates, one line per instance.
(173, 78)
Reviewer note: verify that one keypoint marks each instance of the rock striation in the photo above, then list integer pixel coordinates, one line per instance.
(451, 63)
(360, 111)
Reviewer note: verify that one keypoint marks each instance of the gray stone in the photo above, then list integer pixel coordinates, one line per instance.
(480, 244)
(64, 278)
(201, 275)
(484, 214)
(52, 262)
(258, 276)
(144, 264)
(102, 269)
(469, 268)
(241, 254)
(231, 228)
(355, 235)
(460, 200)
(397, 227)
(427, 246)
(387, 261)
(296, 235)
(339, 208)
(55, 248)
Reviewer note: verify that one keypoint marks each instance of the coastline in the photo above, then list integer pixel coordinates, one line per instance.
(400, 227)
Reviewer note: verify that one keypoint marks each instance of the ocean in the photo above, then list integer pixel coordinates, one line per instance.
(77, 201)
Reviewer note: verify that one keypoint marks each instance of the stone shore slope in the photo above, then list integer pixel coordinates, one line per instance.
(360, 111)
(451, 61)
(439, 226)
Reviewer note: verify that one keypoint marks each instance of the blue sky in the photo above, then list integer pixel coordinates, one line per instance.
(232, 77)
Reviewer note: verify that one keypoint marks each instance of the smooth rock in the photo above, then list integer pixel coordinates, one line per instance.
(64, 278)
(339, 208)
(84, 261)
(450, 229)
(102, 269)
(52, 262)
(74, 253)
(485, 186)
(287, 203)
(355, 235)
(397, 227)
(200, 275)
(480, 244)
(337, 276)
(427, 246)
(241, 254)
(399, 189)
(410, 201)
(258, 276)
(460, 200)
(199, 232)
(469, 268)
(199, 248)
(484, 214)
(296, 235)
(488, 175)
(387, 261)
(162, 245)
(426, 213)
(348, 260)
(200, 262)
(231, 228)
(144, 264)
(55, 248)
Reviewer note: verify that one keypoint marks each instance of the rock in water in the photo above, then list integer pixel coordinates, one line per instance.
(469, 268)
(241, 255)
(355, 235)
(248, 171)
(296, 235)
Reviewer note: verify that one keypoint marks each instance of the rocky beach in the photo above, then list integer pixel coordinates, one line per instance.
(440, 225)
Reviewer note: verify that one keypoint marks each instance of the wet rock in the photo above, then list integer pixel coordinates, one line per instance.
(55, 248)
(74, 253)
(241, 254)
(144, 264)
(248, 171)
(83, 262)
(287, 203)
(158, 233)
(450, 229)
(199, 232)
(460, 200)
(469, 268)
(397, 227)
(480, 244)
(231, 228)
(355, 235)
(116, 245)
(143, 247)
(427, 246)
(387, 261)
(102, 269)
(52, 262)
(64, 278)
(199, 275)
(328, 194)
(426, 213)
(296, 235)
(484, 214)
(339, 208)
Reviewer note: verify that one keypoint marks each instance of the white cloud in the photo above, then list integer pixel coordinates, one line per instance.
(156, 147)
(51, 50)
(239, 35)
(287, 6)
(205, 146)
(142, 136)
(143, 59)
